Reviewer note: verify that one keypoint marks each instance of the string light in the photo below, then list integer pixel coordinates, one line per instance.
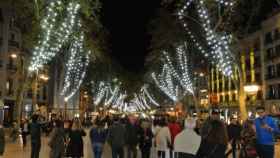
(218, 43)
(54, 36)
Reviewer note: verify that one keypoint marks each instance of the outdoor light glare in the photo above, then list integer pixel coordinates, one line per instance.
(251, 89)
(13, 55)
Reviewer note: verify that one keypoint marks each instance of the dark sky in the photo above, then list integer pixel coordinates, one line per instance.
(126, 21)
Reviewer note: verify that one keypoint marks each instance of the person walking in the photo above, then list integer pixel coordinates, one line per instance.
(2, 140)
(163, 140)
(98, 137)
(234, 130)
(24, 131)
(266, 127)
(214, 145)
(174, 129)
(56, 142)
(186, 143)
(145, 139)
(76, 145)
(35, 132)
(116, 138)
(131, 139)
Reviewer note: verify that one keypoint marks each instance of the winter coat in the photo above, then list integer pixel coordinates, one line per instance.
(2, 141)
(116, 136)
(35, 132)
(234, 131)
(174, 130)
(98, 135)
(75, 147)
(187, 142)
(145, 138)
(211, 150)
(131, 137)
(56, 143)
(163, 139)
(264, 136)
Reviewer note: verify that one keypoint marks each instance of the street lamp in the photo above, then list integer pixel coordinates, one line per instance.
(14, 55)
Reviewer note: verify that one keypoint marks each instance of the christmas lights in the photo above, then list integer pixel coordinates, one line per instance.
(217, 42)
(54, 36)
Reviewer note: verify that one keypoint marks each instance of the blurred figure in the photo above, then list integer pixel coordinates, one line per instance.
(116, 138)
(234, 130)
(163, 139)
(131, 139)
(248, 140)
(187, 142)
(14, 131)
(67, 130)
(265, 128)
(56, 142)
(2, 140)
(98, 137)
(24, 131)
(145, 139)
(214, 145)
(76, 145)
(215, 115)
(174, 129)
(35, 132)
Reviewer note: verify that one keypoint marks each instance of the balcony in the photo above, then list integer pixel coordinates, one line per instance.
(13, 44)
(11, 67)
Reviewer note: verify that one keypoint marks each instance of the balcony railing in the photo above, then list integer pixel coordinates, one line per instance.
(13, 43)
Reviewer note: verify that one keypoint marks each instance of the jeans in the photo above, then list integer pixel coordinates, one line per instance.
(131, 151)
(161, 154)
(117, 152)
(35, 149)
(97, 150)
(233, 145)
(145, 153)
(265, 151)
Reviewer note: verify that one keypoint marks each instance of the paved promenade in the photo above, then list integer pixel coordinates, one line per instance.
(14, 150)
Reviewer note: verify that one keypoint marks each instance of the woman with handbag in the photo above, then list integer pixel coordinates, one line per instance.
(214, 145)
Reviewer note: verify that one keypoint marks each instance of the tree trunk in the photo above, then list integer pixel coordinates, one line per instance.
(34, 91)
(242, 98)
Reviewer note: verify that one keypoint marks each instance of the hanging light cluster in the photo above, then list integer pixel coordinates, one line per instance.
(54, 33)
(218, 43)
(76, 67)
(172, 79)
(114, 97)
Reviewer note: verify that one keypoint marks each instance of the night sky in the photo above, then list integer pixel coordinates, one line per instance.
(126, 21)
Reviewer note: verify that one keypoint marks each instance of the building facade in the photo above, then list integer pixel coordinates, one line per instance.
(259, 55)
(10, 52)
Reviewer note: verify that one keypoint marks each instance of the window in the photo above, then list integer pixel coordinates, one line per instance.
(257, 45)
(44, 93)
(9, 86)
(12, 37)
(269, 53)
(278, 70)
(268, 38)
(1, 15)
(271, 71)
(276, 34)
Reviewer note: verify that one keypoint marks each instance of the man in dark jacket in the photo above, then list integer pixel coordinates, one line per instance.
(35, 131)
(131, 139)
(116, 138)
(234, 130)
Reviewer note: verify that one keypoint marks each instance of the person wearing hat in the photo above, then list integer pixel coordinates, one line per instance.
(266, 127)
(186, 143)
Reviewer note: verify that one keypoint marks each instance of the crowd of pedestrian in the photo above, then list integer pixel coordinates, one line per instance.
(168, 136)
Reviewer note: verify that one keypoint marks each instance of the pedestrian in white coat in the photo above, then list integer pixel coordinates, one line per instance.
(187, 142)
(163, 140)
